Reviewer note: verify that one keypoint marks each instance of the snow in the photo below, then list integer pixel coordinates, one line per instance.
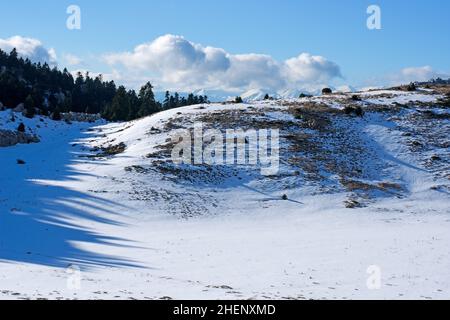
(63, 209)
(386, 97)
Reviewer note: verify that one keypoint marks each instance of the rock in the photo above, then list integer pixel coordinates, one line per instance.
(20, 161)
(20, 108)
(436, 158)
(10, 138)
(352, 204)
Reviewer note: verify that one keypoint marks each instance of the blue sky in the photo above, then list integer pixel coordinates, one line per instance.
(414, 34)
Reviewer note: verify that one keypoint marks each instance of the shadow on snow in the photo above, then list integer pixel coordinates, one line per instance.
(38, 221)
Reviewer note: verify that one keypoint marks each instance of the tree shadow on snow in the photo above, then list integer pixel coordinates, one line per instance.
(39, 223)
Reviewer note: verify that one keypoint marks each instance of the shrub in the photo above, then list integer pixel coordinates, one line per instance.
(356, 98)
(238, 100)
(266, 97)
(327, 91)
(411, 87)
(348, 110)
(358, 111)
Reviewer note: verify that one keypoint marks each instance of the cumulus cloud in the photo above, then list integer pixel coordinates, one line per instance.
(424, 73)
(29, 48)
(310, 68)
(183, 65)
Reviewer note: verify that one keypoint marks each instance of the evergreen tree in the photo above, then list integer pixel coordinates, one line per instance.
(172, 103)
(176, 100)
(134, 104)
(66, 105)
(29, 107)
(166, 102)
(50, 89)
(52, 103)
(119, 108)
(190, 99)
(147, 103)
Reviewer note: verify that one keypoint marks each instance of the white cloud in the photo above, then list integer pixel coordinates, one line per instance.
(424, 73)
(412, 74)
(183, 65)
(29, 48)
(72, 60)
(308, 68)
(403, 76)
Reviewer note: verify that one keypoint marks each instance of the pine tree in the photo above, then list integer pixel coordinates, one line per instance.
(147, 102)
(29, 107)
(133, 105)
(166, 102)
(120, 105)
(172, 103)
(176, 100)
(190, 99)
(13, 58)
(67, 103)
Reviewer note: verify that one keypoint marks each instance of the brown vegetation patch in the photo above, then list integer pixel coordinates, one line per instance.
(314, 116)
(109, 151)
(354, 185)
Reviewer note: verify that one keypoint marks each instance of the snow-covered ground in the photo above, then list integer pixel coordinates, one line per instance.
(138, 228)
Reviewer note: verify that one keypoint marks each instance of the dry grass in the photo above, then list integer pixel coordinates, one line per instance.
(109, 151)
(354, 185)
(314, 116)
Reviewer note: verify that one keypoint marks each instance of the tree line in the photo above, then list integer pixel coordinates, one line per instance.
(50, 91)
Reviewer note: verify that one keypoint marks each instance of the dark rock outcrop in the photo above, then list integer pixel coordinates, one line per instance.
(10, 138)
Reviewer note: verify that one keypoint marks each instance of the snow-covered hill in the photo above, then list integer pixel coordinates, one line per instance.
(352, 192)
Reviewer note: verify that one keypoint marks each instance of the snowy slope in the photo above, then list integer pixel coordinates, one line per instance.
(361, 192)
